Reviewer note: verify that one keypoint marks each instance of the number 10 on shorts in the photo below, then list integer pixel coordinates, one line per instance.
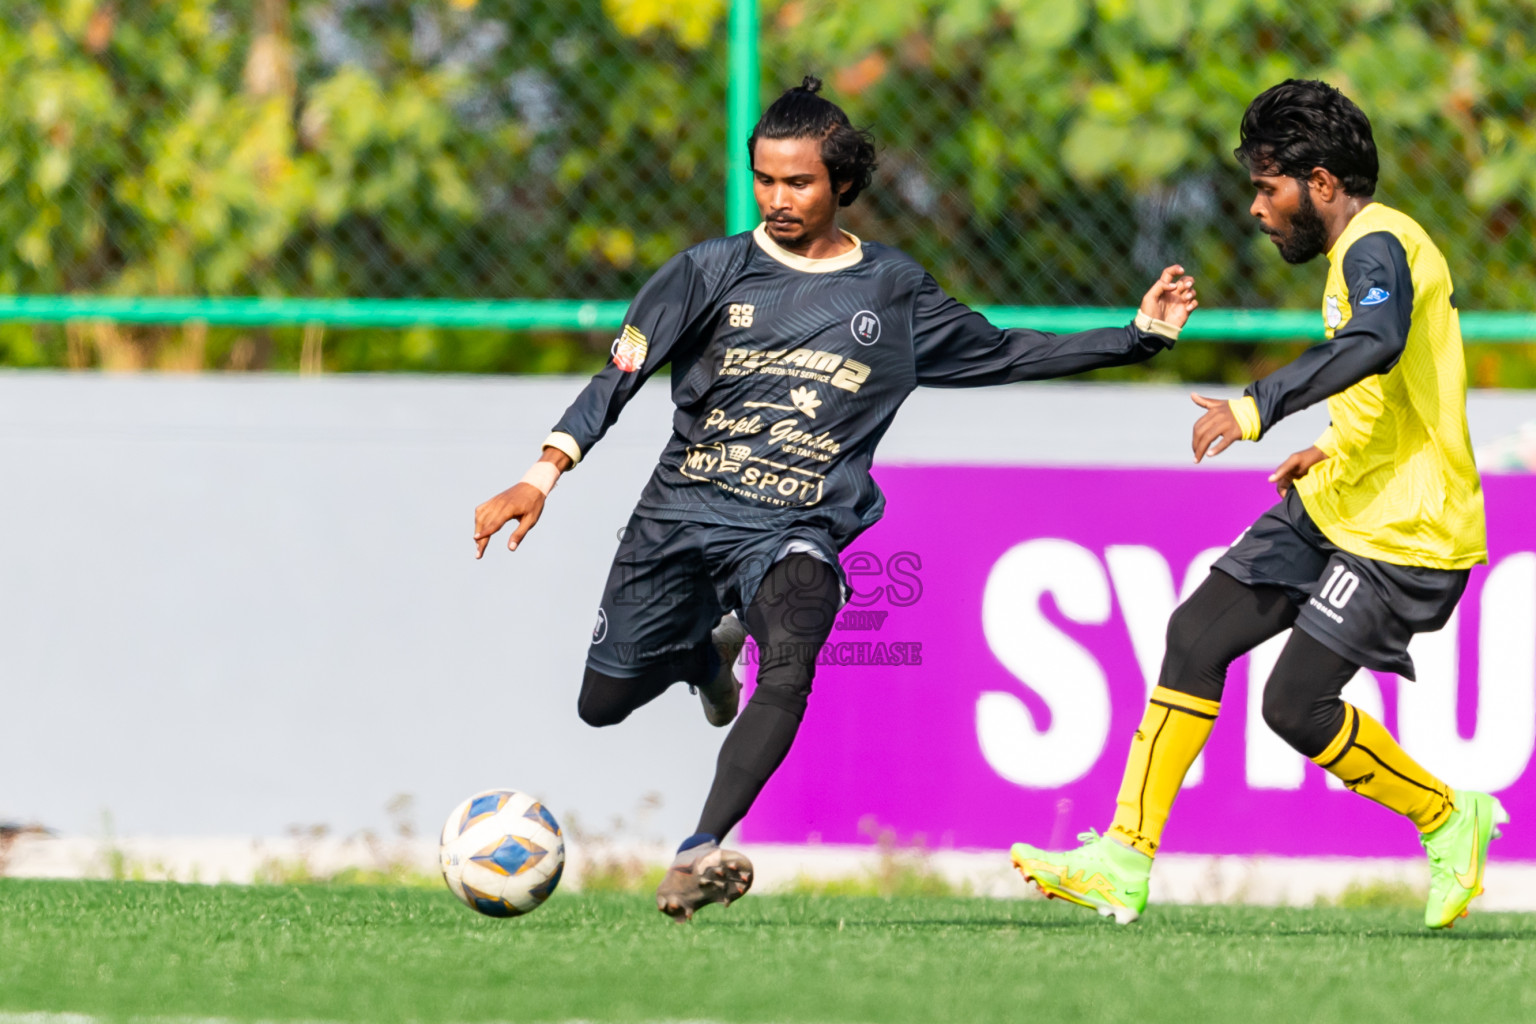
(1340, 587)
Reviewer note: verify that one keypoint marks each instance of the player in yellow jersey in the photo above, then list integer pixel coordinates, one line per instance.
(1371, 542)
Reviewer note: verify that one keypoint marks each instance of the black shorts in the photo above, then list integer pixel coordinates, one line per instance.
(1359, 608)
(671, 582)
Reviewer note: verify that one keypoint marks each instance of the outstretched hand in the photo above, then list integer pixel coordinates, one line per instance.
(1171, 297)
(1296, 466)
(522, 502)
(1217, 429)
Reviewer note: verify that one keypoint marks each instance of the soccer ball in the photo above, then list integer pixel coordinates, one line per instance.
(502, 853)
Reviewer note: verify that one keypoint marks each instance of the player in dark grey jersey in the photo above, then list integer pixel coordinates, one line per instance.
(791, 347)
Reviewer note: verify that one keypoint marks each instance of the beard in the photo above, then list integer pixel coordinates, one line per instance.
(786, 232)
(1308, 237)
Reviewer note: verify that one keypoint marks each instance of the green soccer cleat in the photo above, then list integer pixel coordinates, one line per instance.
(1458, 852)
(1101, 874)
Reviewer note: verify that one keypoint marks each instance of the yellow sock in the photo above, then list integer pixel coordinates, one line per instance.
(1371, 763)
(1172, 732)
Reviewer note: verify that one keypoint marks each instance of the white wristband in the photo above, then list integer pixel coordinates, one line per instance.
(1151, 325)
(542, 475)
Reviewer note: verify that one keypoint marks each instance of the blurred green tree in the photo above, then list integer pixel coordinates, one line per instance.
(1033, 152)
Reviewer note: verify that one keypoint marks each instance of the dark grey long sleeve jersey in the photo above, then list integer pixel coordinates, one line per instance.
(787, 372)
(1371, 342)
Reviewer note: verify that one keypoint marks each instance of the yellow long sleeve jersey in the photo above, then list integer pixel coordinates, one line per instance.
(1400, 484)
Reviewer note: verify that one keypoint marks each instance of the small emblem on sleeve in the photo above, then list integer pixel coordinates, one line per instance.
(629, 349)
(600, 631)
(1375, 297)
(866, 327)
(1332, 316)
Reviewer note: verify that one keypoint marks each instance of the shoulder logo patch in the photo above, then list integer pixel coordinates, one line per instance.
(1375, 297)
(628, 349)
(1332, 316)
(866, 327)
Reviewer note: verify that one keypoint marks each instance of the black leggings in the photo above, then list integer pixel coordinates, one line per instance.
(1225, 619)
(790, 618)
(608, 700)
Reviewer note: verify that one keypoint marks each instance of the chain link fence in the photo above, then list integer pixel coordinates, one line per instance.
(1033, 153)
(1057, 152)
(351, 148)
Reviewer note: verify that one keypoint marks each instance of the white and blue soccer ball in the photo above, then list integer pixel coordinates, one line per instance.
(502, 853)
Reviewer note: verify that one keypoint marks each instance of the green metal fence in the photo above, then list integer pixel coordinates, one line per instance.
(1220, 325)
(494, 165)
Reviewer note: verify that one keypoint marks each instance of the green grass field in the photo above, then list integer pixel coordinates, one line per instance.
(115, 950)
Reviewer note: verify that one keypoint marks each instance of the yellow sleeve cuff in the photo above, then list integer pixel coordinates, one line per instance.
(1328, 442)
(563, 442)
(1246, 411)
(1149, 325)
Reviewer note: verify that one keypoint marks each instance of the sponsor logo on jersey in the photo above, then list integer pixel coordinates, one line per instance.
(600, 630)
(735, 455)
(804, 363)
(737, 425)
(1332, 315)
(628, 349)
(791, 439)
(1329, 612)
(751, 476)
(1375, 297)
(741, 314)
(804, 400)
(785, 433)
(866, 327)
(726, 458)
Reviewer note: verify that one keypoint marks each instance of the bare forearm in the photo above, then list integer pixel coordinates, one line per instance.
(561, 460)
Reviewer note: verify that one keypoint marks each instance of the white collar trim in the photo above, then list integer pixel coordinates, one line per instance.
(803, 263)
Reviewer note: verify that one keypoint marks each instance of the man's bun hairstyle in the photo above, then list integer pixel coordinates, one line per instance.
(1298, 125)
(801, 113)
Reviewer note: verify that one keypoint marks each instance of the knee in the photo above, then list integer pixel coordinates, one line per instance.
(598, 713)
(784, 686)
(791, 701)
(1307, 726)
(1284, 715)
(1191, 663)
(601, 702)
(1183, 636)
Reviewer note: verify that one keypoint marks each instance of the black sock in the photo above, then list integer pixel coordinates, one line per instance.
(790, 618)
(753, 751)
